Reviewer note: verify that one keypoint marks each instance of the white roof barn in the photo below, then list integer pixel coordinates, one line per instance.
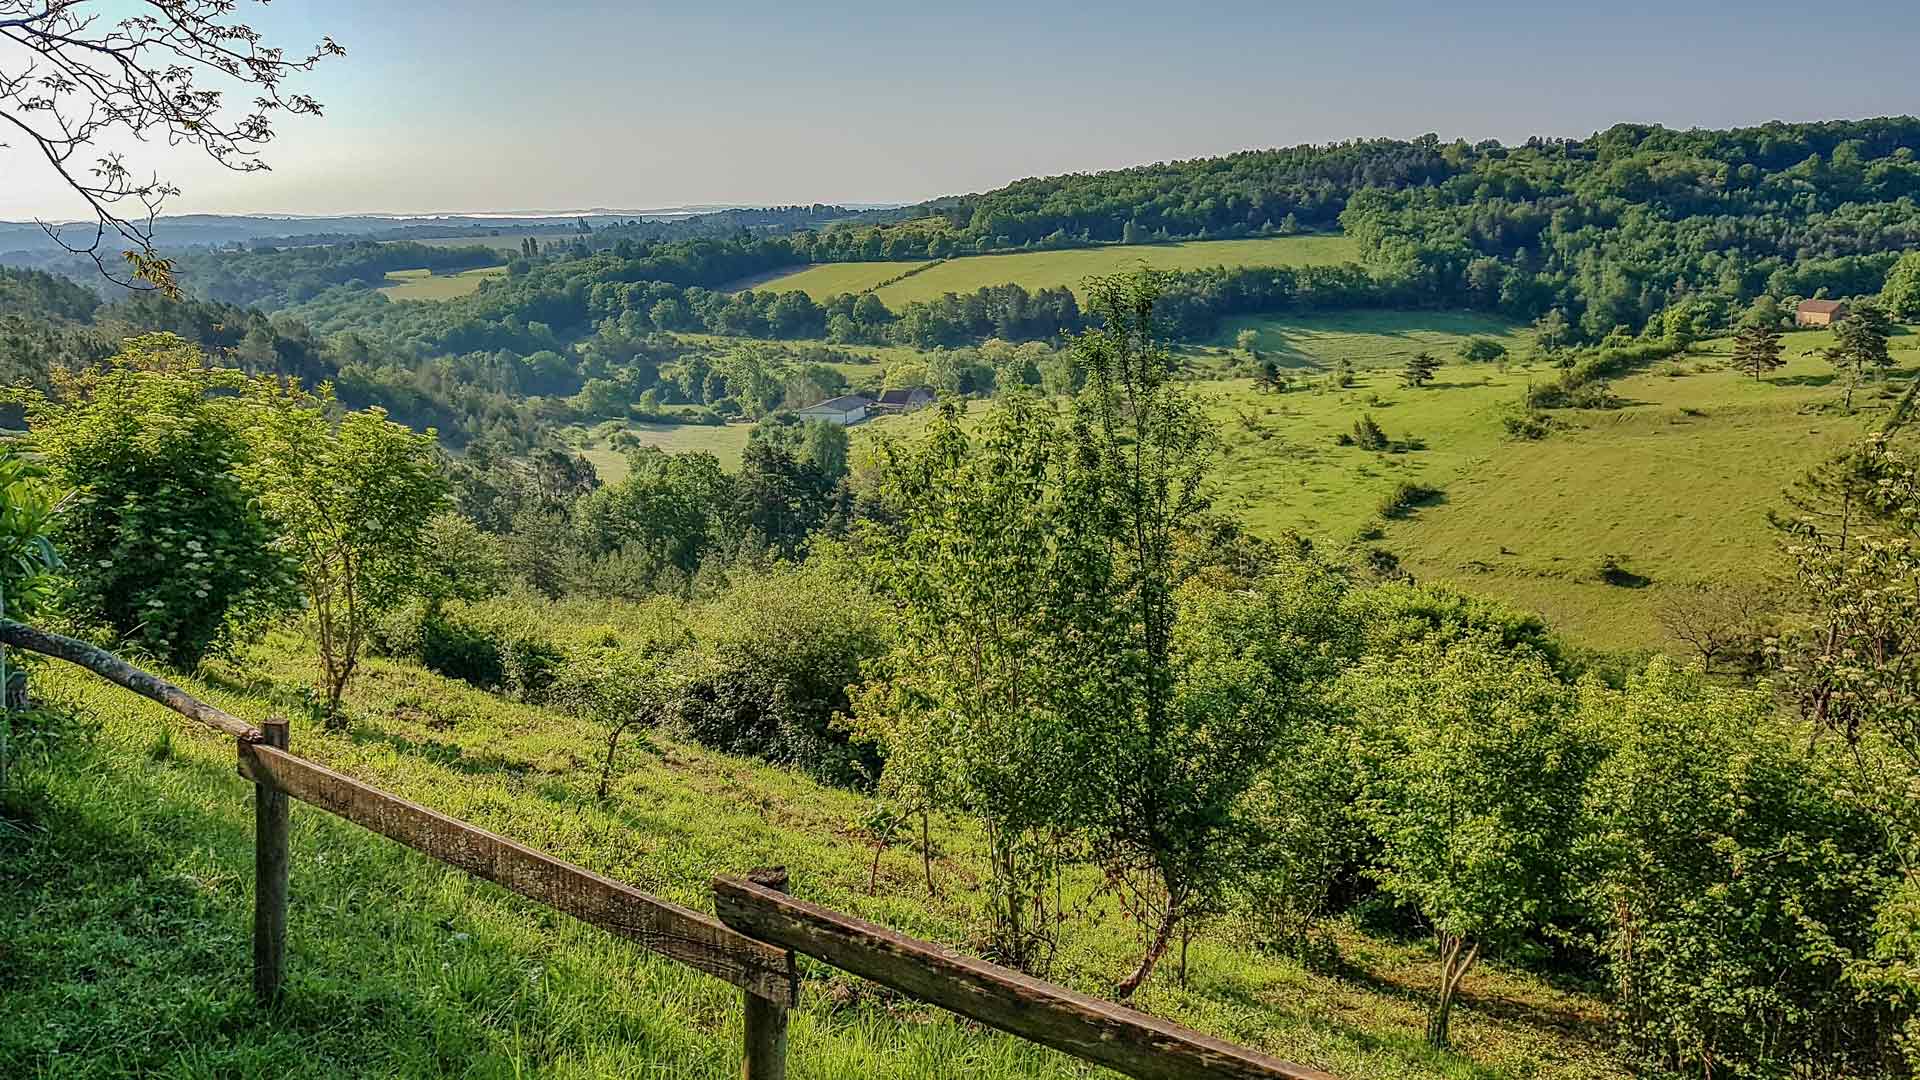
(844, 410)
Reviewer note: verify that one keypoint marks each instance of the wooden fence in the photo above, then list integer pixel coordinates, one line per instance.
(751, 945)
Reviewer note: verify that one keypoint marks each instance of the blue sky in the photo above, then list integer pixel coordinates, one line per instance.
(489, 105)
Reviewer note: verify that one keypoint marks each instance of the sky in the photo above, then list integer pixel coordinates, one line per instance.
(489, 105)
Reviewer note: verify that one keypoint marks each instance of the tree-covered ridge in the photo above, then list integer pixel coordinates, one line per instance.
(1239, 193)
(1610, 229)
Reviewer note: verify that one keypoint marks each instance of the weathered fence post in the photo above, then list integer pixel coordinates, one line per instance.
(270, 864)
(766, 1049)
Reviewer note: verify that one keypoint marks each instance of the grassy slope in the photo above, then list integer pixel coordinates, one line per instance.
(123, 932)
(1682, 495)
(1678, 482)
(1039, 269)
(1369, 338)
(426, 285)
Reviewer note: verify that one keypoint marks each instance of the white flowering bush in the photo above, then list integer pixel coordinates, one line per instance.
(165, 544)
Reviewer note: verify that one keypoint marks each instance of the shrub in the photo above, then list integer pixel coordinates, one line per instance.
(1409, 494)
(495, 647)
(1528, 424)
(1479, 349)
(776, 655)
(1367, 434)
(165, 547)
(1736, 886)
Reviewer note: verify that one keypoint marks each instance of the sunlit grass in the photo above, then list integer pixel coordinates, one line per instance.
(124, 928)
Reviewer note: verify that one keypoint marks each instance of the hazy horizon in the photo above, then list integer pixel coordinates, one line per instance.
(445, 109)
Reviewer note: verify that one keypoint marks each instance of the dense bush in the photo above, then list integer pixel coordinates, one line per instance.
(1736, 887)
(501, 645)
(167, 547)
(777, 655)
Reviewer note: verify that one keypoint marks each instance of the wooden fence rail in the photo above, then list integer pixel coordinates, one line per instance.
(1086, 1027)
(751, 945)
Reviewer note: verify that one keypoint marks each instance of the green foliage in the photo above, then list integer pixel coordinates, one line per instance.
(1901, 296)
(28, 561)
(1737, 889)
(777, 658)
(459, 560)
(1470, 781)
(1420, 369)
(991, 575)
(1860, 345)
(351, 500)
(1367, 434)
(664, 518)
(1408, 495)
(1527, 423)
(166, 543)
(28, 564)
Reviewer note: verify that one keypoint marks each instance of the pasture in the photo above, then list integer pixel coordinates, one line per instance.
(126, 926)
(1676, 483)
(1045, 269)
(427, 285)
(1369, 339)
(726, 442)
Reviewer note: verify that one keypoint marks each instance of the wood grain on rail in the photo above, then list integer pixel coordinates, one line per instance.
(697, 940)
(1120, 1038)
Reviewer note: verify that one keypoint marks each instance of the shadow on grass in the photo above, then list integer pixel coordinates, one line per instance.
(1566, 1021)
(444, 754)
(1801, 380)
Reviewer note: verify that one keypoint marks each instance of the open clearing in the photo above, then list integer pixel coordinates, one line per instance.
(1370, 339)
(726, 442)
(1044, 269)
(126, 927)
(427, 285)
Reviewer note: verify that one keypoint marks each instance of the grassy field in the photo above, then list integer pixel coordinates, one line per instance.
(1367, 339)
(1042, 269)
(427, 285)
(124, 925)
(1677, 483)
(725, 442)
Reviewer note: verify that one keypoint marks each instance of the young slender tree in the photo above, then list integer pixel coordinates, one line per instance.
(1756, 350)
(993, 578)
(1860, 345)
(351, 499)
(1470, 781)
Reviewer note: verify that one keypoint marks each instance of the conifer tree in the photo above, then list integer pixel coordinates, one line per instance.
(1420, 369)
(1860, 342)
(1756, 350)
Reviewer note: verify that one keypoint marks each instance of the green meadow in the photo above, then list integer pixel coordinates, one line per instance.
(130, 855)
(726, 442)
(427, 285)
(1676, 483)
(1045, 269)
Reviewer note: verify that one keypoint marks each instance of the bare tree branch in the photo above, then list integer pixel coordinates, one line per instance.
(69, 78)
